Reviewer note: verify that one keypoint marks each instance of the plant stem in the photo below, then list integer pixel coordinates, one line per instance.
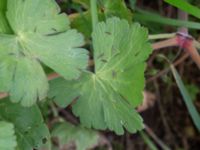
(165, 43)
(162, 36)
(197, 44)
(93, 5)
(148, 141)
(165, 71)
(183, 16)
(3, 95)
(54, 110)
(155, 138)
(194, 54)
(191, 47)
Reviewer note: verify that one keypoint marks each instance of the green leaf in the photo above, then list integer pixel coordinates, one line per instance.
(64, 91)
(116, 8)
(68, 133)
(132, 4)
(185, 6)
(41, 36)
(3, 5)
(4, 26)
(120, 54)
(84, 3)
(187, 99)
(24, 79)
(7, 136)
(107, 9)
(83, 23)
(99, 106)
(47, 20)
(107, 97)
(193, 90)
(28, 123)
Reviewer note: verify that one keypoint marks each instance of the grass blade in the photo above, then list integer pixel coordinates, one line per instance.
(142, 15)
(185, 6)
(148, 141)
(187, 99)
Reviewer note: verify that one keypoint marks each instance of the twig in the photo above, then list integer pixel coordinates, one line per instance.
(3, 95)
(53, 76)
(68, 116)
(161, 73)
(155, 138)
(162, 112)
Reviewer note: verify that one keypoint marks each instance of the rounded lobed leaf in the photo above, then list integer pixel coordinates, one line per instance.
(7, 136)
(41, 36)
(107, 97)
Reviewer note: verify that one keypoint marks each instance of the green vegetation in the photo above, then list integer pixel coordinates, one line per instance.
(76, 74)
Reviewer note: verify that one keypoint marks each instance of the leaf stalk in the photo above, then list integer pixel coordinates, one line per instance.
(94, 14)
